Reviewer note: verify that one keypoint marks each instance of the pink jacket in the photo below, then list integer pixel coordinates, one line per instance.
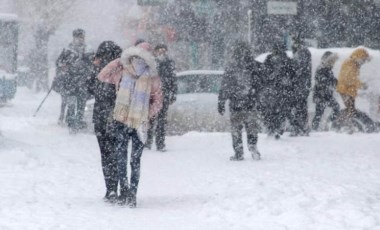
(112, 74)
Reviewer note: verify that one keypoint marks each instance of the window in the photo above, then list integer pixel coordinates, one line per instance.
(199, 83)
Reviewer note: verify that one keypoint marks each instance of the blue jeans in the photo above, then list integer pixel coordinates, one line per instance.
(122, 136)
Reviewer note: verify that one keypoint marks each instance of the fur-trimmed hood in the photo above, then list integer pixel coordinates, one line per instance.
(360, 53)
(142, 53)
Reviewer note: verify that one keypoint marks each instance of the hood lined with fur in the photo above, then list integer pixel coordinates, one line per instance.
(142, 53)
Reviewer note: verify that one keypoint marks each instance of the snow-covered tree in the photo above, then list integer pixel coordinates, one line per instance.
(42, 18)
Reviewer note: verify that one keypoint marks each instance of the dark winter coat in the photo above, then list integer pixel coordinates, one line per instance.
(302, 82)
(166, 71)
(104, 93)
(325, 84)
(278, 81)
(241, 84)
(73, 67)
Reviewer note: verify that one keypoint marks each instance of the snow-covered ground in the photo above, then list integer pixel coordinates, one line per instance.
(52, 180)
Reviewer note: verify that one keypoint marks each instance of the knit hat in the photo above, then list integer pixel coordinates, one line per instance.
(108, 50)
(145, 45)
(328, 57)
(161, 46)
(78, 33)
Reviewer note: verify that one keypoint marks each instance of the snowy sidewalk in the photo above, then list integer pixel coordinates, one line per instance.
(52, 180)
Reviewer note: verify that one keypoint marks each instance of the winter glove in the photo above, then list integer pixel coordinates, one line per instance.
(221, 108)
(364, 86)
(172, 99)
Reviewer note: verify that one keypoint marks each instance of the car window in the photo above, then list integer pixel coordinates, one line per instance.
(199, 83)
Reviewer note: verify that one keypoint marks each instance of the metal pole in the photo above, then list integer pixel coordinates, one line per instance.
(249, 12)
(42, 102)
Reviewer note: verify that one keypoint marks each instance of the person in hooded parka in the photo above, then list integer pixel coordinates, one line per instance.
(138, 99)
(324, 87)
(105, 95)
(277, 90)
(302, 86)
(349, 81)
(74, 66)
(240, 86)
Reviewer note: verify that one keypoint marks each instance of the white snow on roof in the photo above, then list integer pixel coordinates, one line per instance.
(8, 17)
(200, 72)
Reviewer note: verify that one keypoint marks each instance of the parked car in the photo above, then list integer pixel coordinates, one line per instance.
(8, 56)
(196, 105)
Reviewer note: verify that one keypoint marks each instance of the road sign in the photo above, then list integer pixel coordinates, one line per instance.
(284, 8)
(151, 2)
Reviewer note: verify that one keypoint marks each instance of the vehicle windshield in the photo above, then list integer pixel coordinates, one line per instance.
(199, 83)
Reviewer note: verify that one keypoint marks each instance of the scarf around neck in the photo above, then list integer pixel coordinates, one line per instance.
(132, 100)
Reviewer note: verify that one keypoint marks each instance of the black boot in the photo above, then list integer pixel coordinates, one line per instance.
(111, 196)
(123, 198)
(236, 158)
(132, 200)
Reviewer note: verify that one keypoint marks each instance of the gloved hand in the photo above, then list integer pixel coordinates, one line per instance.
(364, 86)
(172, 99)
(221, 109)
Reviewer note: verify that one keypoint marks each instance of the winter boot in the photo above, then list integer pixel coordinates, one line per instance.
(132, 200)
(73, 130)
(255, 153)
(236, 158)
(123, 198)
(162, 149)
(148, 146)
(111, 197)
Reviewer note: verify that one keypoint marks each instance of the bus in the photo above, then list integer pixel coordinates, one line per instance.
(8, 56)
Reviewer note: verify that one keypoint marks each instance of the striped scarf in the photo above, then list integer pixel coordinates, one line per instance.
(132, 100)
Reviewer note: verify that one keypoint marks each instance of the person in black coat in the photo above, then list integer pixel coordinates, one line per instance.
(323, 91)
(278, 90)
(302, 86)
(166, 72)
(240, 86)
(74, 66)
(105, 95)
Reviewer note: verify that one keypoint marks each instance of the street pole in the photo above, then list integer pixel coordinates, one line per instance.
(249, 12)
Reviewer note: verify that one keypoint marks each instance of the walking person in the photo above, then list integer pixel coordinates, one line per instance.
(166, 72)
(349, 82)
(302, 86)
(76, 63)
(138, 99)
(278, 90)
(240, 85)
(105, 95)
(58, 84)
(324, 87)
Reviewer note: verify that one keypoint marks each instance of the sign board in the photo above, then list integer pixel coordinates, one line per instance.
(151, 2)
(283, 8)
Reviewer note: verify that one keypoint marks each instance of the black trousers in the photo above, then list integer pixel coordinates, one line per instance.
(157, 128)
(75, 110)
(299, 115)
(247, 120)
(106, 141)
(274, 119)
(123, 135)
(63, 108)
(320, 109)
